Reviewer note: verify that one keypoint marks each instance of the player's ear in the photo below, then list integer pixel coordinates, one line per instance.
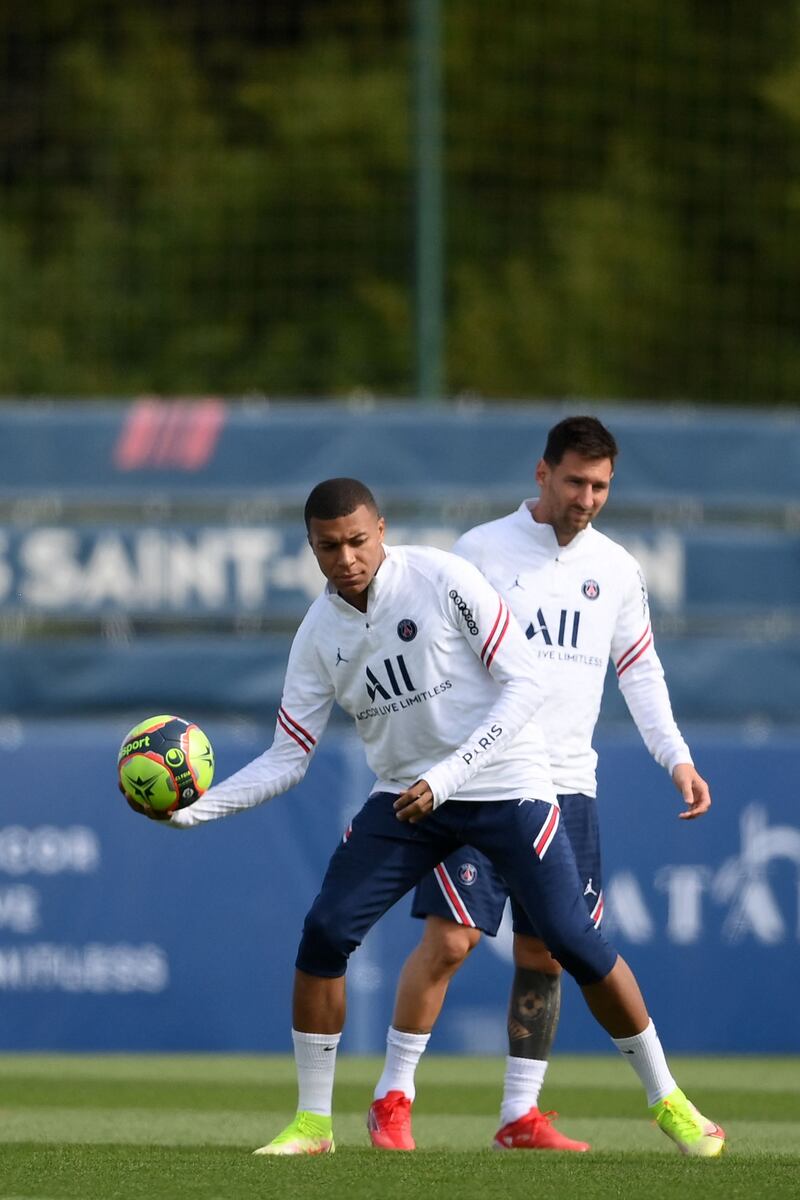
(381, 527)
(541, 472)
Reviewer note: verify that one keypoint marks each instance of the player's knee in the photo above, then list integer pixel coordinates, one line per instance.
(582, 950)
(447, 945)
(588, 961)
(531, 954)
(325, 945)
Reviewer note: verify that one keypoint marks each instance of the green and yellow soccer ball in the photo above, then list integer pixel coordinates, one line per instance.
(166, 763)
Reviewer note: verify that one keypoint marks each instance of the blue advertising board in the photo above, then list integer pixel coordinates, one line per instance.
(119, 934)
(80, 450)
(267, 569)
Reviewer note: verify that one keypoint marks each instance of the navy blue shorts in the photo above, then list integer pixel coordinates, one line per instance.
(381, 858)
(468, 890)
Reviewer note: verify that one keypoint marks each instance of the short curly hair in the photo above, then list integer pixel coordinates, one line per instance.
(338, 498)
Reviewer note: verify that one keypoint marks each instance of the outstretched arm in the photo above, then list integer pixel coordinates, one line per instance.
(303, 714)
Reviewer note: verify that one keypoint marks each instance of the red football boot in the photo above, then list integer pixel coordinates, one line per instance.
(389, 1122)
(534, 1131)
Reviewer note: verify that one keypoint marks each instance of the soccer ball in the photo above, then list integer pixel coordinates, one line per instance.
(166, 763)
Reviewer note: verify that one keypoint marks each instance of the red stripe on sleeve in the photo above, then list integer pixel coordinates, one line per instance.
(494, 627)
(631, 649)
(496, 647)
(291, 733)
(296, 725)
(631, 661)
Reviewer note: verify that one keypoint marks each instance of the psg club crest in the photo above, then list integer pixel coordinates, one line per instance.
(591, 589)
(467, 874)
(406, 630)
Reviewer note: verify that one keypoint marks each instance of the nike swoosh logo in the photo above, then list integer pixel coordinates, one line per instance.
(333, 1048)
(628, 1051)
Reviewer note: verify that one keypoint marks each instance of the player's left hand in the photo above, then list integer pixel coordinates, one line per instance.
(415, 803)
(694, 790)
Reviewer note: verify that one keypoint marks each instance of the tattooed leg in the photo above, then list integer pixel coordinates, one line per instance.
(533, 1013)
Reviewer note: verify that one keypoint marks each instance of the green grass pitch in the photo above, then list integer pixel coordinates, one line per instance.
(149, 1127)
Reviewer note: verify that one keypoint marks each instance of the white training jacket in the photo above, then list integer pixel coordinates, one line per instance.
(438, 677)
(579, 605)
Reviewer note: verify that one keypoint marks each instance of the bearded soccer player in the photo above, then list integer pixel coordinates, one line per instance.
(421, 651)
(581, 600)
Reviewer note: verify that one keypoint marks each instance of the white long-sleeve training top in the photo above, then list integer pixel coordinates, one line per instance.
(439, 679)
(579, 605)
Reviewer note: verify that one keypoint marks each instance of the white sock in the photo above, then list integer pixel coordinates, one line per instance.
(315, 1058)
(403, 1052)
(646, 1055)
(521, 1086)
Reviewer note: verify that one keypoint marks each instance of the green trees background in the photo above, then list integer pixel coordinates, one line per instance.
(198, 198)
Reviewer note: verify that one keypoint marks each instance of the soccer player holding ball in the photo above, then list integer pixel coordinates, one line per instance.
(581, 600)
(442, 685)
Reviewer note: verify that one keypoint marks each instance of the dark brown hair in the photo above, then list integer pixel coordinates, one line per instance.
(585, 435)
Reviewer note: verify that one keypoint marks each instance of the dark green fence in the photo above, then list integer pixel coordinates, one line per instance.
(219, 198)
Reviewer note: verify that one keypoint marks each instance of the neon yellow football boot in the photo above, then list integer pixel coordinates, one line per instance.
(308, 1133)
(691, 1132)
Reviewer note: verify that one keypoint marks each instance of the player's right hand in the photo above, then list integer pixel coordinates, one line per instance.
(144, 809)
(415, 803)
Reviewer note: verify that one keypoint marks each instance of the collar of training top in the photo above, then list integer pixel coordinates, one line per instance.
(378, 585)
(542, 531)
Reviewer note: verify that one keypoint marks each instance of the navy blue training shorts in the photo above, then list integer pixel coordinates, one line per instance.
(381, 858)
(468, 890)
